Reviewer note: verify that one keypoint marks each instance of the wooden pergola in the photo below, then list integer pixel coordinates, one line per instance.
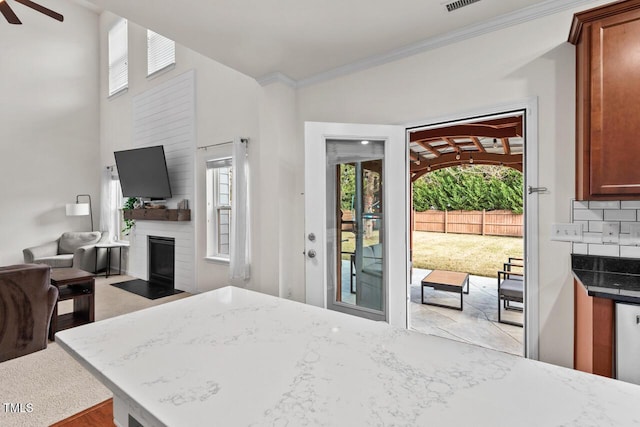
(497, 141)
(493, 141)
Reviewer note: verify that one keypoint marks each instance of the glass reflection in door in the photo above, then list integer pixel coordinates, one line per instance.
(356, 278)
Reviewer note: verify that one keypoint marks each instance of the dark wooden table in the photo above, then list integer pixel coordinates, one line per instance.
(79, 286)
(449, 281)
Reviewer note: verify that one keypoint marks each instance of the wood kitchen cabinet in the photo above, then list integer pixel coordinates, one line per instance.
(594, 326)
(607, 43)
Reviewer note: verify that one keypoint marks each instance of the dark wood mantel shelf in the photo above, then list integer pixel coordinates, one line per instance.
(158, 214)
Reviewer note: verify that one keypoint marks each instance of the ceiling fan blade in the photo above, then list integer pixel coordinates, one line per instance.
(11, 17)
(42, 9)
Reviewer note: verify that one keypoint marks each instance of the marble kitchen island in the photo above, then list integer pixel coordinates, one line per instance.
(233, 357)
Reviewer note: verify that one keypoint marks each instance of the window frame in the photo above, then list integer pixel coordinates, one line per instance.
(214, 208)
(157, 47)
(118, 57)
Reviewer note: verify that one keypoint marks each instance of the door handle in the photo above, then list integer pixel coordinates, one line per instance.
(531, 190)
(311, 253)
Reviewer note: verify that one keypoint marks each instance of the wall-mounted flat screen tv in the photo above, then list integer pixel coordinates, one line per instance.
(143, 172)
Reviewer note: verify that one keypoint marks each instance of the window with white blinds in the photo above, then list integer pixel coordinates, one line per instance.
(118, 57)
(219, 208)
(161, 52)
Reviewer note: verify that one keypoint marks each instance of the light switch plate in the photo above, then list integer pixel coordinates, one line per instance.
(566, 232)
(610, 232)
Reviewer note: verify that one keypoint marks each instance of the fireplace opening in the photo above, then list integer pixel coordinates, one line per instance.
(162, 261)
(161, 283)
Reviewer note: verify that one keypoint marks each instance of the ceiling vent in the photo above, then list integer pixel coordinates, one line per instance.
(458, 4)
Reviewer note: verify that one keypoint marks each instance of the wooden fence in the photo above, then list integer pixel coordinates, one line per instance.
(493, 223)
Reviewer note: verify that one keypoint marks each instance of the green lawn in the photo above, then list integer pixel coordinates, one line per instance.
(349, 242)
(477, 255)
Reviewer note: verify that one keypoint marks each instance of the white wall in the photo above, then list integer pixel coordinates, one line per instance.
(49, 139)
(528, 60)
(227, 105)
(278, 212)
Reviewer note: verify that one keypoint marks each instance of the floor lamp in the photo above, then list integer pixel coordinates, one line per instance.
(80, 209)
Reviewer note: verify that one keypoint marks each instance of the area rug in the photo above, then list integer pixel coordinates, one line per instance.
(49, 385)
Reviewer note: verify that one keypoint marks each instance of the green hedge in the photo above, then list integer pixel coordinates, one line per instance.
(469, 188)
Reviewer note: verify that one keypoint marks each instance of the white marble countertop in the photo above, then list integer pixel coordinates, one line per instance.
(233, 357)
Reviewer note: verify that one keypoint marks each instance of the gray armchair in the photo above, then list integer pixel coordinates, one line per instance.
(74, 249)
(27, 299)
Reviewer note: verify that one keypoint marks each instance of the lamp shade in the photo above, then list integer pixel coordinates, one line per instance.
(77, 209)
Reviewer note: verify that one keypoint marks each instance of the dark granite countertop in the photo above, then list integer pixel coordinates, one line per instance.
(608, 277)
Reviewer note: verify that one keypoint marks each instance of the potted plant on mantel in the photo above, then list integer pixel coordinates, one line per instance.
(129, 204)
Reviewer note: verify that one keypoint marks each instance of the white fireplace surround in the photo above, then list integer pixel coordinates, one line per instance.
(165, 115)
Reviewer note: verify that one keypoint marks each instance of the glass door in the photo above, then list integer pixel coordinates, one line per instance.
(356, 247)
(354, 207)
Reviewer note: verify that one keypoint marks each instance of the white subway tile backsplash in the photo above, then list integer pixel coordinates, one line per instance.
(604, 250)
(625, 240)
(588, 215)
(630, 251)
(592, 237)
(581, 248)
(619, 215)
(585, 224)
(593, 215)
(579, 204)
(614, 204)
(624, 227)
(595, 226)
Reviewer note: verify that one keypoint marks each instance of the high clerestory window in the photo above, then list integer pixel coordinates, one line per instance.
(161, 52)
(118, 57)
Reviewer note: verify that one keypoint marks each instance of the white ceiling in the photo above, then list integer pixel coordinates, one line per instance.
(307, 39)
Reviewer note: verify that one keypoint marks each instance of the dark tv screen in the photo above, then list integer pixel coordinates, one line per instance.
(143, 172)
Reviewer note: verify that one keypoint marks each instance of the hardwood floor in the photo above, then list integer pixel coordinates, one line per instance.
(100, 415)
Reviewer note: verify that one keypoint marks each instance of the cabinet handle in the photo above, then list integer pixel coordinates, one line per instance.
(638, 320)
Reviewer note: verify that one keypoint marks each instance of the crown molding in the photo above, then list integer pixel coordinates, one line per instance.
(530, 13)
(277, 77)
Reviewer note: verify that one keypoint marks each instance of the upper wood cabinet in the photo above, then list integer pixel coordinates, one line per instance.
(607, 43)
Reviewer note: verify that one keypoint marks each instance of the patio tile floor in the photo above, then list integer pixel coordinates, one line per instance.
(476, 324)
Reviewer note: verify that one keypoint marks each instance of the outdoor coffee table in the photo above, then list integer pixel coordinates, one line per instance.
(449, 281)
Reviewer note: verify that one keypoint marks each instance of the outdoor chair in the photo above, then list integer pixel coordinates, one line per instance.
(514, 262)
(510, 289)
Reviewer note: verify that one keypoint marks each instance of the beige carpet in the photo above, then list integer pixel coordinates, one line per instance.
(51, 381)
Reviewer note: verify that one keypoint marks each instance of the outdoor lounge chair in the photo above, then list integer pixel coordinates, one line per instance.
(510, 289)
